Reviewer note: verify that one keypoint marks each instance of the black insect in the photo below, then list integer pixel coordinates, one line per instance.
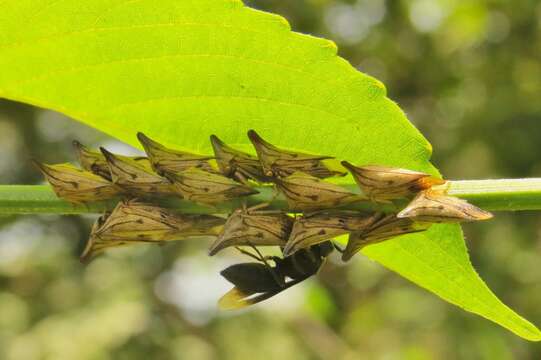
(258, 281)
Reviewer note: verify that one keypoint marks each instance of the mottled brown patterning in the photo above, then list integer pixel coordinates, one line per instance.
(253, 227)
(432, 206)
(236, 164)
(382, 183)
(384, 227)
(134, 222)
(76, 185)
(308, 193)
(315, 228)
(96, 163)
(278, 162)
(208, 188)
(165, 160)
(136, 177)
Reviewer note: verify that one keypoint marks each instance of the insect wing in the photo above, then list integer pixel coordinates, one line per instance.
(384, 228)
(165, 160)
(92, 161)
(76, 185)
(208, 188)
(95, 162)
(237, 164)
(251, 278)
(163, 223)
(316, 228)
(245, 228)
(132, 222)
(253, 282)
(136, 177)
(430, 206)
(236, 299)
(308, 193)
(95, 244)
(253, 286)
(278, 162)
(382, 183)
(88, 251)
(135, 221)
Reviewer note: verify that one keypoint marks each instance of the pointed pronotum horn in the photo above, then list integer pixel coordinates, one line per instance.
(76, 185)
(136, 177)
(236, 164)
(244, 227)
(133, 222)
(431, 206)
(208, 188)
(382, 183)
(316, 228)
(278, 162)
(384, 227)
(308, 193)
(165, 160)
(95, 162)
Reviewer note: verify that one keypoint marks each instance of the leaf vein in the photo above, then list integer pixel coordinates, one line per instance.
(161, 57)
(243, 97)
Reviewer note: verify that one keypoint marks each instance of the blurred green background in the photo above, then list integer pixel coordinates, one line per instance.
(468, 74)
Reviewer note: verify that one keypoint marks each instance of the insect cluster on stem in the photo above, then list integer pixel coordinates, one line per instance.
(304, 232)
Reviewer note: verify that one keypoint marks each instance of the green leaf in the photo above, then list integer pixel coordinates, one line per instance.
(438, 261)
(182, 70)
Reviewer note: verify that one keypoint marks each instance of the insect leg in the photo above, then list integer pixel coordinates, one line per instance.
(259, 257)
(338, 248)
(258, 206)
(323, 262)
(264, 259)
(240, 177)
(247, 253)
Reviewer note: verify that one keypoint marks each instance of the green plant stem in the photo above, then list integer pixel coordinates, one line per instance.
(499, 194)
(493, 195)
